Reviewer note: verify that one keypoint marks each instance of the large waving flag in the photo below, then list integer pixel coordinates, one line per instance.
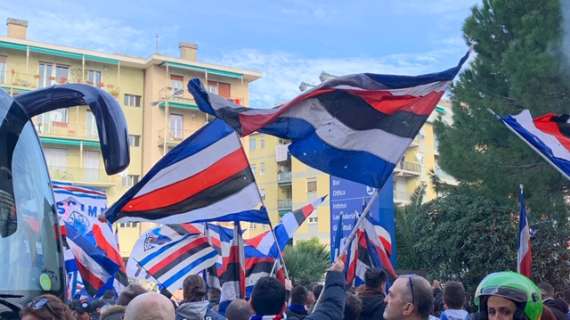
(356, 126)
(524, 255)
(549, 135)
(284, 231)
(205, 178)
(232, 278)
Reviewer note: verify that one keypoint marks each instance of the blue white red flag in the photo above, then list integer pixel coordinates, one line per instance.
(284, 230)
(232, 278)
(356, 126)
(205, 178)
(524, 254)
(549, 135)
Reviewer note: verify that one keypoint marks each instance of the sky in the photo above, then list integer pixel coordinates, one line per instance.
(288, 41)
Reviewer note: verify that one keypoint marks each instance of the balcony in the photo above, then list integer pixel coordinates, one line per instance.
(284, 205)
(74, 130)
(19, 82)
(82, 176)
(282, 153)
(408, 169)
(284, 178)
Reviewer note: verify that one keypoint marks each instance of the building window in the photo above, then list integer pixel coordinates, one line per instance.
(51, 73)
(262, 193)
(132, 100)
(261, 143)
(220, 88)
(177, 84)
(252, 168)
(252, 226)
(94, 78)
(59, 116)
(134, 140)
(252, 143)
(130, 180)
(176, 126)
(3, 69)
(128, 224)
(91, 125)
(56, 157)
(261, 168)
(314, 218)
(311, 188)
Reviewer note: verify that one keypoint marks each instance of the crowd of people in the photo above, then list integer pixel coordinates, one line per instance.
(499, 296)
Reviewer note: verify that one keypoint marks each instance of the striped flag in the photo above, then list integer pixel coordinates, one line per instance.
(355, 127)
(233, 277)
(549, 135)
(205, 178)
(284, 231)
(524, 254)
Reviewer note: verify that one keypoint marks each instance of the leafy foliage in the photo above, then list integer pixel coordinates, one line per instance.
(306, 261)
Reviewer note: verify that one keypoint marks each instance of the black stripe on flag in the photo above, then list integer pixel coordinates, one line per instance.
(181, 259)
(260, 267)
(357, 114)
(299, 216)
(231, 273)
(205, 198)
(563, 124)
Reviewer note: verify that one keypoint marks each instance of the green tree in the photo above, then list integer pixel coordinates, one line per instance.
(518, 65)
(463, 235)
(307, 261)
(405, 237)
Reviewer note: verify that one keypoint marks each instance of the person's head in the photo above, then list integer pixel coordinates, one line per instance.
(310, 299)
(547, 290)
(194, 288)
(410, 297)
(150, 306)
(454, 295)
(299, 295)
(112, 312)
(352, 307)
(375, 279)
(239, 310)
(214, 295)
(508, 295)
(129, 293)
(81, 309)
(268, 297)
(317, 288)
(46, 307)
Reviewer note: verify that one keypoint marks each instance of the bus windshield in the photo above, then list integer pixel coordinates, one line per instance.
(28, 229)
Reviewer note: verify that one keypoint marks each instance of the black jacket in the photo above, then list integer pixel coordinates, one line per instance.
(331, 304)
(372, 307)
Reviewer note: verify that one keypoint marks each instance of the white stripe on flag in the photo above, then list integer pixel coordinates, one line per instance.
(338, 135)
(192, 165)
(525, 120)
(91, 265)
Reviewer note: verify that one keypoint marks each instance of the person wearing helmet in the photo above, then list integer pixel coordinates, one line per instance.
(508, 296)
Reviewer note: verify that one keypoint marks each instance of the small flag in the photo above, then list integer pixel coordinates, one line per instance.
(548, 135)
(524, 254)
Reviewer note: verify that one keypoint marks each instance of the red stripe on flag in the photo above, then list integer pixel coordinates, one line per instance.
(104, 245)
(545, 124)
(255, 241)
(386, 262)
(174, 255)
(223, 169)
(387, 103)
(89, 277)
(250, 262)
(307, 210)
(526, 265)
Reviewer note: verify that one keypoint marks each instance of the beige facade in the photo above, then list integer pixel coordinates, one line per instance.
(152, 92)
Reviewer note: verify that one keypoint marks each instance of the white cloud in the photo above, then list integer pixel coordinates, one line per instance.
(283, 72)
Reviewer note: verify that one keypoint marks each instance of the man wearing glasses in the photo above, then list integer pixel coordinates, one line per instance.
(410, 297)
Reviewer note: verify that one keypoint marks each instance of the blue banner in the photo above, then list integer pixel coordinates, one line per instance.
(349, 199)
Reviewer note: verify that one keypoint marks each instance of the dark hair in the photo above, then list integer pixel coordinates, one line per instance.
(299, 295)
(239, 310)
(374, 277)
(566, 295)
(546, 288)
(129, 293)
(194, 288)
(352, 308)
(214, 295)
(317, 288)
(268, 296)
(454, 295)
(53, 308)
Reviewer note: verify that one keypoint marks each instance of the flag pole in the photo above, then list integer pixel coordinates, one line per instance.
(530, 145)
(360, 220)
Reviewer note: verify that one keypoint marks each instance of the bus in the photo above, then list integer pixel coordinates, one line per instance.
(31, 258)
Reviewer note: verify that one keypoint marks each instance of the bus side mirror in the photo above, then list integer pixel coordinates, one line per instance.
(111, 123)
